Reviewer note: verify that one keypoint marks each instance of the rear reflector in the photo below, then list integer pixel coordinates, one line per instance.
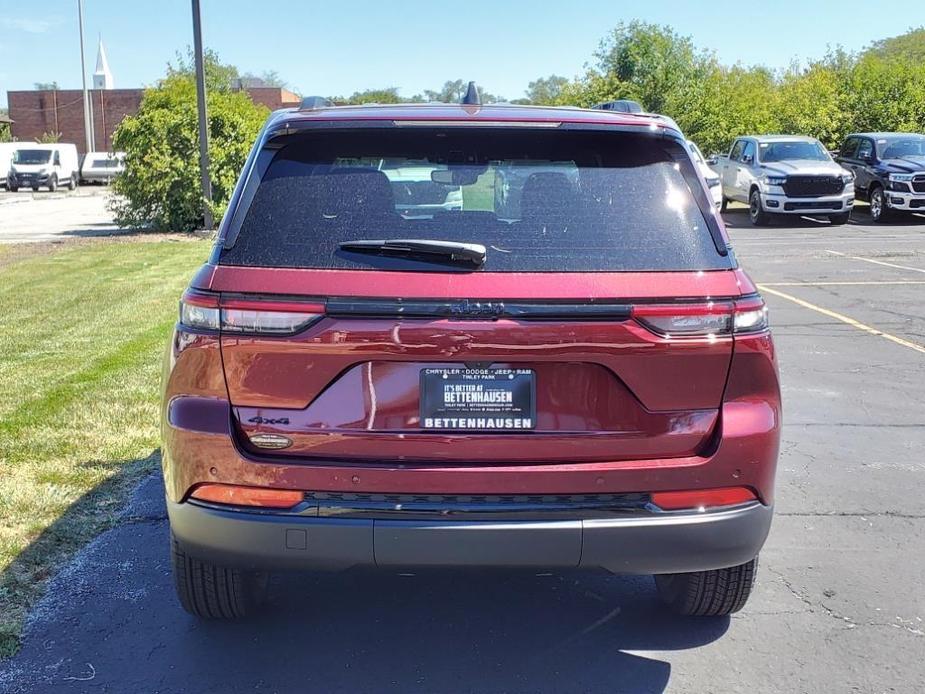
(702, 498)
(247, 496)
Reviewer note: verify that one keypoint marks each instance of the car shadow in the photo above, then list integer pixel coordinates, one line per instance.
(110, 622)
(737, 218)
(97, 229)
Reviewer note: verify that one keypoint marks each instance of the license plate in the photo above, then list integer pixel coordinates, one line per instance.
(478, 399)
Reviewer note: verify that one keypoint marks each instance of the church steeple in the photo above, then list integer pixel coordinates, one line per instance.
(102, 77)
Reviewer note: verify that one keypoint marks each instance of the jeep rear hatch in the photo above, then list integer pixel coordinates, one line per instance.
(599, 318)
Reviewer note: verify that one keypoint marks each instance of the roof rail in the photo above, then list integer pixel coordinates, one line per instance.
(471, 97)
(620, 105)
(310, 103)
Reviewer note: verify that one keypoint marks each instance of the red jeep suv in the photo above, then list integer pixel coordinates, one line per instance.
(463, 335)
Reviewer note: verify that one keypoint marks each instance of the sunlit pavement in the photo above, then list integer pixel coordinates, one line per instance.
(839, 604)
(27, 217)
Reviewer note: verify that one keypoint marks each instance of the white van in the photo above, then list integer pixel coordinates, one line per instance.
(47, 166)
(6, 157)
(101, 167)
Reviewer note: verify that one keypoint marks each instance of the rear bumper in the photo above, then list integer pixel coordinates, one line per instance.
(652, 543)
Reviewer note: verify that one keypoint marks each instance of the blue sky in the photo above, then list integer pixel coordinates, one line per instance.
(337, 47)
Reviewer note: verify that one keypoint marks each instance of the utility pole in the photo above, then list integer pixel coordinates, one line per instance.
(88, 107)
(203, 121)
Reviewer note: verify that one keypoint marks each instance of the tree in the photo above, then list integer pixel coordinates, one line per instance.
(815, 102)
(6, 134)
(887, 94)
(45, 86)
(649, 63)
(546, 90)
(160, 187)
(267, 78)
(909, 46)
(385, 95)
(453, 91)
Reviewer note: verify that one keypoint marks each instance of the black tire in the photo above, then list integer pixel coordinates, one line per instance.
(72, 183)
(756, 213)
(53, 183)
(35, 189)
(838, 219)
(708, 593)
(879, 212)
(215, 592)
(12, 188)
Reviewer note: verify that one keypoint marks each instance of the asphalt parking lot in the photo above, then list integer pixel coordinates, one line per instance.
(839, 604)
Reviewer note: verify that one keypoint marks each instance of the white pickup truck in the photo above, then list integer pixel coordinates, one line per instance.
(785, 174)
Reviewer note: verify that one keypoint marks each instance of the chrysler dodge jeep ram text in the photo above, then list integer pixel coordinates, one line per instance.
(587, 380)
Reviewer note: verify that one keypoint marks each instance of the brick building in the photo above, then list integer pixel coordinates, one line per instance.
(37, 112)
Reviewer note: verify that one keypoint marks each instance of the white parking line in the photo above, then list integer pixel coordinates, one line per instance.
(876, 262)
(844, 319)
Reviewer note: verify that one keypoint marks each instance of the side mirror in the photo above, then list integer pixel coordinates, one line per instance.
(747, 158)
(712, 160)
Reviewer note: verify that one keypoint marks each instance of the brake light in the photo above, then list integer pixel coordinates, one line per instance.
(708, 319)
(247, 496)
(206, 312)
(702, 498)
(199, 311)
(751, 315)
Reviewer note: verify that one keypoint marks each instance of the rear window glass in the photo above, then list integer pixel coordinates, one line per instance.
(537, 200)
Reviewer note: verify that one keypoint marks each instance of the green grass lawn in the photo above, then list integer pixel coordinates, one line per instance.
(82, 331)
(481, 194)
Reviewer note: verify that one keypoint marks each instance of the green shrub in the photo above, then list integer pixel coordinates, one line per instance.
(160, 188)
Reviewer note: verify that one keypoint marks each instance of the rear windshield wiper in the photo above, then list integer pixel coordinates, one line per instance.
(449, 250)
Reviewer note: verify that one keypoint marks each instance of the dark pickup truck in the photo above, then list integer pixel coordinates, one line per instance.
(889, 170)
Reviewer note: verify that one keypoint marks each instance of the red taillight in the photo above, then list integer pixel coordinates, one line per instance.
(702, 498)
(199, 311)
(247, 496)
(751, 315)
(206, 312)
(708, 319)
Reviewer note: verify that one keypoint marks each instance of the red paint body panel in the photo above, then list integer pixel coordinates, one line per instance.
(371, 412)
(562, 286)
(667, 375)
(619, 408)
(200, 444)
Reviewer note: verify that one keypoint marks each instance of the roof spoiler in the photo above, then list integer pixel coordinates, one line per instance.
(311, 103)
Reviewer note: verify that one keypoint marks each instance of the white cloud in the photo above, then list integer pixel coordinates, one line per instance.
(31, 26)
